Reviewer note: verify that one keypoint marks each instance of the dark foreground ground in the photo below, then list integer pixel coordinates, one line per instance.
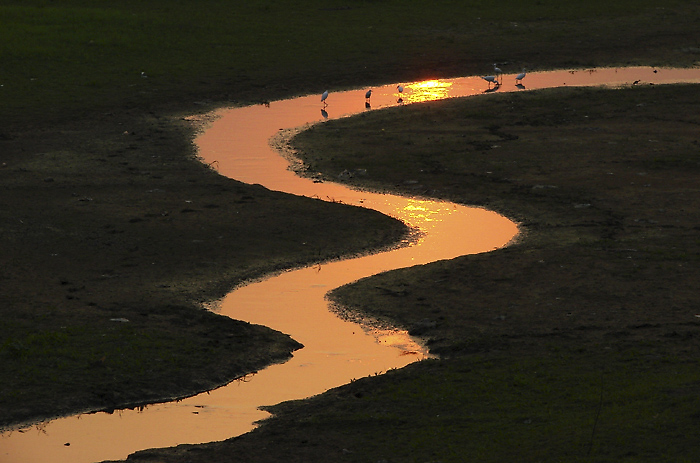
(576, 344)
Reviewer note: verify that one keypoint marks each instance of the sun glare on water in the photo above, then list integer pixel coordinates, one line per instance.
(427, 90)
(418, 213)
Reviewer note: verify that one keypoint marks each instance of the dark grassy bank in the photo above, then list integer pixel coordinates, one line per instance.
(96, 166)
(129, 226)
(579, 343)
(591, 320)
(79, 58)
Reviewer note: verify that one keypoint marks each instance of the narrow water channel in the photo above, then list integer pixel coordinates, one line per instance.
(336, 351)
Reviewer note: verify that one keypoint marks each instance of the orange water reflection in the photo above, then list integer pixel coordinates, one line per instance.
(427, 91)
(417, 211)
(336, 351)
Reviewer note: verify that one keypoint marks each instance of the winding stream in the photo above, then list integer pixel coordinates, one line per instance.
(336, 351)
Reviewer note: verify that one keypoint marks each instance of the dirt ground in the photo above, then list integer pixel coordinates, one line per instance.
(111, 239)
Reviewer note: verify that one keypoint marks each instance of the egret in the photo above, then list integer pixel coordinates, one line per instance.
(368, 94)
(520, 77)
(490, 80)
(497, 70)
(324, 96)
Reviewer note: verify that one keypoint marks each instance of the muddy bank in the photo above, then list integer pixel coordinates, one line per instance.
(111, 239)
(601, 180)
(579, 341)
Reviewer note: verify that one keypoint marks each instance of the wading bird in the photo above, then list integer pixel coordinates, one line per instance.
(497, 70)
(520, 77)
(324, 96)
(368, 94)
(490, 80)
(400, 89)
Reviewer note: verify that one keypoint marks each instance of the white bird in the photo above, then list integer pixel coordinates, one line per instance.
(490, 80)
(368, 94)
(520, 76)
(324, 96)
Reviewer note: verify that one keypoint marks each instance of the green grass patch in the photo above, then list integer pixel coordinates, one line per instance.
(81, 55)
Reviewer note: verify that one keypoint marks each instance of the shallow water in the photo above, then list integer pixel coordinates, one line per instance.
(336, 351)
